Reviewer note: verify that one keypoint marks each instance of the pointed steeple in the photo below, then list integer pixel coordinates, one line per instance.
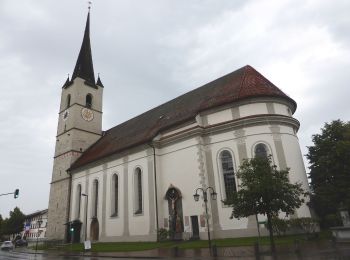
(99, 82)
(67, 83)
(84, 67)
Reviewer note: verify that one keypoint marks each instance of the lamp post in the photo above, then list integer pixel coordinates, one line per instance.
(86, 210)
(213, 196)
(39, 221)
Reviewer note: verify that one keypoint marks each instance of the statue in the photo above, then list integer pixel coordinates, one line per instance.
(345, 218)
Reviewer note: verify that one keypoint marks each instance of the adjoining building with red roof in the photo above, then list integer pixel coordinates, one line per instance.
(138, 177)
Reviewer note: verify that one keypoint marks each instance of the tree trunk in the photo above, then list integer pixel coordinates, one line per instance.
(272, 241)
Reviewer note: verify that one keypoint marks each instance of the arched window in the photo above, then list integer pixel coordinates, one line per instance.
(68, 101)
(138, 191)
(260, 150)
(95, 198)
(88, 101)
(228, 173)
(114, 194)
(78, 200)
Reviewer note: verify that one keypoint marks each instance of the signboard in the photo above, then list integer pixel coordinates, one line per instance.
(87, 245)
(202, 220)
(27, 227)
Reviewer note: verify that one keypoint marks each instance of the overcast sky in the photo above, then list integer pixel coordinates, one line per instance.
(148, 52)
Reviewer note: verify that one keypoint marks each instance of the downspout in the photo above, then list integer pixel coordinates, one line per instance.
(155, 186)
(69, 198)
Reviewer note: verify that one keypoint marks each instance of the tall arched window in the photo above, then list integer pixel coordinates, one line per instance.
(228, 173)
(138, 191)
(68, 101)
(114, 194)
(95, 198)
(78, 200)
(88, 101)
(260, 150)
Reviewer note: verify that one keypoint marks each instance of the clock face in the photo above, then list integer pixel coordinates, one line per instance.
(65, 114)
(87, 114)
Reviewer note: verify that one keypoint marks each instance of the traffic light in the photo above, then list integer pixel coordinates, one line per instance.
(72, 229)
(16, 193)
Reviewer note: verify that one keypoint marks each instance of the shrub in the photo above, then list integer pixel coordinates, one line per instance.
(280, 226)
(331, 220)
(163, 234)
(307, 225)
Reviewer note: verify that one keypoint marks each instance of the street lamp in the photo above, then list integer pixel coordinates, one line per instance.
(86, 210)
(39, 221)
(213, 196)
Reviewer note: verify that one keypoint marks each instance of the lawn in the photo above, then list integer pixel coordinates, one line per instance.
(229, 242)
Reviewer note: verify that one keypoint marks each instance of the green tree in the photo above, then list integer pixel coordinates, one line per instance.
(265, 190)
(329, 159)
(14, 224)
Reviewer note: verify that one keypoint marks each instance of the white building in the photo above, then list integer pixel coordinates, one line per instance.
(141, 175)
(35, 226)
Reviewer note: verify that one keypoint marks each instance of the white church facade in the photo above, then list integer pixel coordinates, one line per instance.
(126, 183)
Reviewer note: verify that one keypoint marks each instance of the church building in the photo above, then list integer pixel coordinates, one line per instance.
(127, 182)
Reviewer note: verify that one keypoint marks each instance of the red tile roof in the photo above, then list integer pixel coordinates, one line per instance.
(241, 84)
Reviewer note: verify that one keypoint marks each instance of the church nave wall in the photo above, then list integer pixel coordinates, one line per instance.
(297, 171)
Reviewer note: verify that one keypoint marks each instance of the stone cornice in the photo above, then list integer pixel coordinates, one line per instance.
(68, 152)
(79, 129)
(63, 179)
(228, 126)
(80, 106)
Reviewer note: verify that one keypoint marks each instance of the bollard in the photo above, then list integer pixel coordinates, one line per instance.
(175, 251)
(297, 248)
(256, 251)
(335, 247)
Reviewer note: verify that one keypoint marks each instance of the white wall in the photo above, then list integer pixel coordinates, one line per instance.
(182, 164)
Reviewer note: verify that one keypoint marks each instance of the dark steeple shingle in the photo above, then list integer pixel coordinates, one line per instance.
(84, 68)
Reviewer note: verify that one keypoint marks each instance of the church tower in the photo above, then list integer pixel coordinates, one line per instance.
(79, 126)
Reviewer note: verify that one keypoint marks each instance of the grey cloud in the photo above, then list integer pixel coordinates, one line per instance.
(149, 52)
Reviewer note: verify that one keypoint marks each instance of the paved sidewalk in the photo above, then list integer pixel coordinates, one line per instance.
(160, 253)
(311, 251)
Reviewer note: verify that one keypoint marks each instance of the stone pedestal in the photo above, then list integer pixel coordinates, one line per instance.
(342, 233)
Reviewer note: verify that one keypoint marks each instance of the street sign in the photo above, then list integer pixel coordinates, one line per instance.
(87, 245)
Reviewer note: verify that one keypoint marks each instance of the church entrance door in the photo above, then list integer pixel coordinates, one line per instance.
(195, 227)
(176, 226)
(94, 229)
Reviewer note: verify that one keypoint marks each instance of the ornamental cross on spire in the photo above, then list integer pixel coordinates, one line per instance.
(89, 5)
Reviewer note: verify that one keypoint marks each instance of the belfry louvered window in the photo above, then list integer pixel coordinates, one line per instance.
(68, 101)
(88, 101)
